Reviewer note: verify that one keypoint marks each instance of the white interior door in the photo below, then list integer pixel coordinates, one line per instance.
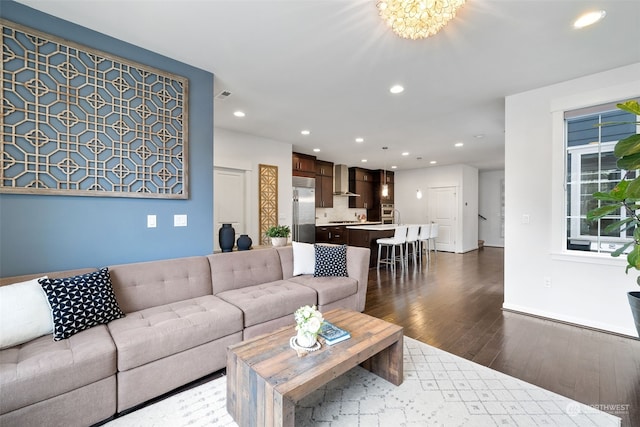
(443, 205)
(229, 201)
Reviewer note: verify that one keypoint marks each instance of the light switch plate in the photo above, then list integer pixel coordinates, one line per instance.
(180, 220)
(151, 221)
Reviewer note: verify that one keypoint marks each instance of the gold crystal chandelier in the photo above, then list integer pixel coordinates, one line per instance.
(417, 19)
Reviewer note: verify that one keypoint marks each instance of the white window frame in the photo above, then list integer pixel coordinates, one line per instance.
(558, 105)
(575, 215)
(598, 243)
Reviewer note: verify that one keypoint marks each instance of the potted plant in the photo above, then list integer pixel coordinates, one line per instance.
(625, 195)
(278, 234)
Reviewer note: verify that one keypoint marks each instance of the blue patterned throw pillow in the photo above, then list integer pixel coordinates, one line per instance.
(80, 302)
(331, 261)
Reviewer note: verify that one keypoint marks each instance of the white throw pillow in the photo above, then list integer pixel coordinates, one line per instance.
(304, 258)
(25, 313)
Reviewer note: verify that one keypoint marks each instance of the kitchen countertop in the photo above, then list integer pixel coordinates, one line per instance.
(352, 223)
(372, 227)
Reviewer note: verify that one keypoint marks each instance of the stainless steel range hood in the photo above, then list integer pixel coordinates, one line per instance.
(341, 182)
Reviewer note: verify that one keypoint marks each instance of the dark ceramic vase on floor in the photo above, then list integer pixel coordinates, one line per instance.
(634, 302)
(244, 242)
(226, 237)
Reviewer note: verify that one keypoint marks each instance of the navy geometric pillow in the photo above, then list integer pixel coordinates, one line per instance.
(331, 261)
(80, 302)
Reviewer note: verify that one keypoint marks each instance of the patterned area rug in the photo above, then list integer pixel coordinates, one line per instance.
(439, 389)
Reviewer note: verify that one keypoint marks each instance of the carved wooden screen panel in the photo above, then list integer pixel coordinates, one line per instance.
(268, 200)
(78, 121)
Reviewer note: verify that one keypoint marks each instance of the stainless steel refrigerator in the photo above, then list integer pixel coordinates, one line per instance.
(304, 209)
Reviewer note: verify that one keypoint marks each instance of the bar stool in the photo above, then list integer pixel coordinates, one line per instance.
(433, 235)
(423, 240)
(412, 239)
(390, 243)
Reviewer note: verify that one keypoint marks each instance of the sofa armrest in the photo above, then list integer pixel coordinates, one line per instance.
(358, 268)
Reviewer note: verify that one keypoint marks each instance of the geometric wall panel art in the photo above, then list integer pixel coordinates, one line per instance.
(78, 121)
(267, 200)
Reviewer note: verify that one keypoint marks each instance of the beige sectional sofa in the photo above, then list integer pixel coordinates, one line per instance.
(181, 314)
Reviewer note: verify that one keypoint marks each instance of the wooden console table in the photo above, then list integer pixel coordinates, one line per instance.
(265, 377)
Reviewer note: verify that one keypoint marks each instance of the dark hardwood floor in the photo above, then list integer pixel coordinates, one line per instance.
(455, 304)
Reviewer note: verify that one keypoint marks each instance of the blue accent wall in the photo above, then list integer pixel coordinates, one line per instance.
(48, 233)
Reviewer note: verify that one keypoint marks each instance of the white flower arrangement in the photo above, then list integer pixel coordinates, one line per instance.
(308, 320)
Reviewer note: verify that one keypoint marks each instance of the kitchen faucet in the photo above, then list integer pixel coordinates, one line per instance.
(396, 211)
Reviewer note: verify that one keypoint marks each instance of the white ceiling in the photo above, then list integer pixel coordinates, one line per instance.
(327, 66)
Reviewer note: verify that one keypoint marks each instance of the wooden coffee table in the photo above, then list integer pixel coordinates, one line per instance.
(265, 377)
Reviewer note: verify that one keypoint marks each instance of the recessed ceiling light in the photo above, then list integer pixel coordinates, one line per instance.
(394, 167)
(589, 18)
(316, 150)
(458, 144)
(239, 113)
(396, 89)
(305, 132)
(359, 139)
(433, 162)
(364, 160)
(406, 153)
(479, 136)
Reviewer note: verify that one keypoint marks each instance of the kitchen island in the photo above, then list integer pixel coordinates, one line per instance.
(336, 232)
(365, 236)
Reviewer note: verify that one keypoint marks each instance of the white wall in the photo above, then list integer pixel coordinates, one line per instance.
(241, 151)
(415, 211)
(587, 289)
(469, 206)
(490, 207)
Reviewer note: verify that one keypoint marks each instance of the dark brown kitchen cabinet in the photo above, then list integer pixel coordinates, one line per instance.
(359, 174)
(324, 168)
(324, 184)
(322, 234)
(303, 165)
(381, 177)
(386, 177)
(359, 238)
(324, 191)
(368, 239)
(335, 234)
(365, 190)
(361, 181)
(339, 236)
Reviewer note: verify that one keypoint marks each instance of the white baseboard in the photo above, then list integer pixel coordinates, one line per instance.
(571, 320)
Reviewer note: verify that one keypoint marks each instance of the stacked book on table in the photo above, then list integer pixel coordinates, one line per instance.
(333, 334)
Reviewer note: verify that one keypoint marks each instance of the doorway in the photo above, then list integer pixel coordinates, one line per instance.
(443, 207)
(230, 201)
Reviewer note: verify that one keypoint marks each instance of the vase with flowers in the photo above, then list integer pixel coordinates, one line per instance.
(308, 323)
